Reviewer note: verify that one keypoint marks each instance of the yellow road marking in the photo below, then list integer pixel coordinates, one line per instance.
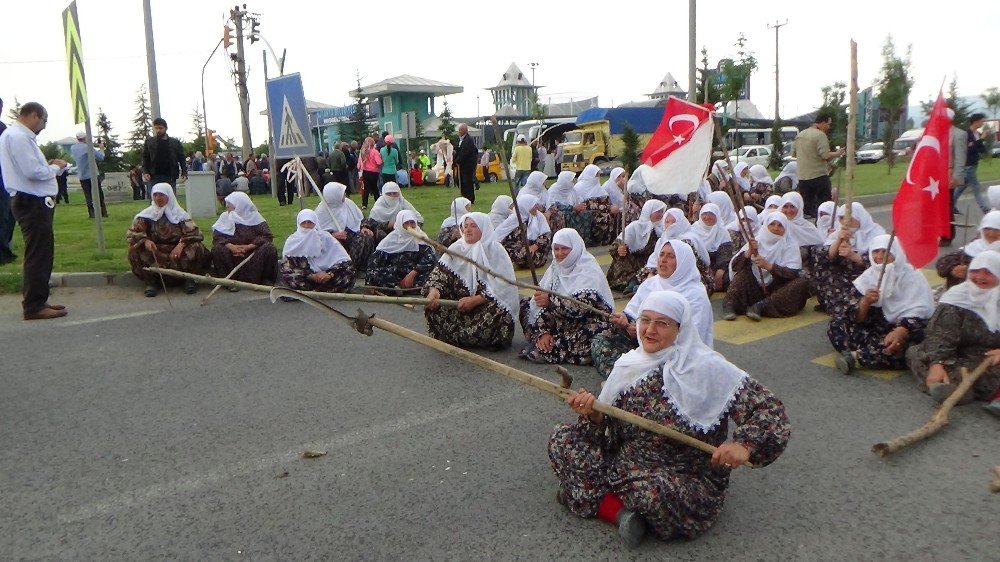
(884, 374)
(742, 330)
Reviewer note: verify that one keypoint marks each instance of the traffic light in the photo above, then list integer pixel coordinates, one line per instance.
(254, 31)
(209, 142)
(227, 37)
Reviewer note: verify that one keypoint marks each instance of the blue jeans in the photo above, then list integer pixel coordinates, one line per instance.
(971, 181)
(520, 177)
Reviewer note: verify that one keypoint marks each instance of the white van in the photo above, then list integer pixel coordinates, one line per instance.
(904, 144)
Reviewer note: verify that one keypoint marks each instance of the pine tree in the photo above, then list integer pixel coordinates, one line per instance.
(447, 127)
(142, 123)
(960, 107)
(356, 128)
(14, 111)
(197, 131)
(112, 148)
(630, 152)
(894, 84)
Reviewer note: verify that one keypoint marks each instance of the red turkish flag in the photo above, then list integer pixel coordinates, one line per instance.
(921, 210)
(680, 121)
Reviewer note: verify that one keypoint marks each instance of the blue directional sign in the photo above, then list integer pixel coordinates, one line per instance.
(286, 107)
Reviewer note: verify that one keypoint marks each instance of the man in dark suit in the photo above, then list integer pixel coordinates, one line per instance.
(466, 158)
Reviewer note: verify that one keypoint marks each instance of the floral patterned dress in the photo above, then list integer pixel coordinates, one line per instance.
(623, 269)
(785, 296)
(847, 333)
(261, 268)
(949, 262)
(675, 487)
(448, 235)
(359, 246)
(833, 280)
(518, 253)
(387, 270)
(572, 329)
(166, 235)
(556, 215)
(489, 326)
(608, 346)
(600, 225)
(295, 272)
(956, 338)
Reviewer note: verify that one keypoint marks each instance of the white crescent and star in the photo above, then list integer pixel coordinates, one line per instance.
(679, 139)
(926, 141)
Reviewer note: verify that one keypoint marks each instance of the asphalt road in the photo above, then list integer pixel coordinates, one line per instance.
(134, 431)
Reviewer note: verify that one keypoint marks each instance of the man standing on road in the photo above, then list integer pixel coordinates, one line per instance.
(163, 157)
(79, 152)
(975, 147)
(31, 181)
(466, 157)
(812, 151)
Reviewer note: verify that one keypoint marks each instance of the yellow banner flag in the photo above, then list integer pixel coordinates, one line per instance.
(74, 58)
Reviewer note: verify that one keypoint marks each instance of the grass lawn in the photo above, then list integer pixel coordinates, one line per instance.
(76, 243)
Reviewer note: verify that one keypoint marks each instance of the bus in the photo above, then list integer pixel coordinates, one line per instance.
(742, 137)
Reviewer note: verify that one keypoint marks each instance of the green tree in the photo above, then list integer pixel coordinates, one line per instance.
(197, 131)
(961, 108)
(834, 97)
(630, 150)
(893, 84)
(355, 128)
(447, 128)
(142, 123)
(736, 72)
(14, 112)
(52, 150)
(112, 148)
(538, 110)
(705, 82)
(992, 100)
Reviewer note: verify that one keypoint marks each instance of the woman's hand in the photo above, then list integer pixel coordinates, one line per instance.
(619, 319)
(582, 402)
(533, 248)
(761, 263)
(150, 246)
(320, 277)
(581, 207)
(367, 231)
(615, 209)
(994, 355)
(434, 296)
(872, 296)
(410, 280)
(542, 300)
(631, 329)
(175, 254)
(544, 342)
(937, 374)
(622, 250)
(894, 340)
(730, 455)
(960, 271)
(468, 304)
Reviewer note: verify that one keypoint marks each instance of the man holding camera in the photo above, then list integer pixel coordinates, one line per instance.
(83, 171)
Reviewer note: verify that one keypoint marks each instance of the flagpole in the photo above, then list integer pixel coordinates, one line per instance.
(852, 134)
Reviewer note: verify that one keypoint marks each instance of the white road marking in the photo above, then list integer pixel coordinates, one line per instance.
(106, 318)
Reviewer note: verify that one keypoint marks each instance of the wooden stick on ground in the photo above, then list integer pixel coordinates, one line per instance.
(940, 418)
(230, 276)
(995, 486)
(314, 294)
(363, 323)
(162, 282)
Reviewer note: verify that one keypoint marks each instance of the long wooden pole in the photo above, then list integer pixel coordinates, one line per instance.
(363, 323)
(162, 282)
(995, 486)
(314, 294)
(852, 136)
(517, 209)
(445, 250)
(940, 418)
(885, 260)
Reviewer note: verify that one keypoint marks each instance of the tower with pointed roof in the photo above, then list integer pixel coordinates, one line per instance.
(667, 87)
(512, 95)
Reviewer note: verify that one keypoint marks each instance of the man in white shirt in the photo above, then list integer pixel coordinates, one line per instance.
(31, 181)
(79, 153)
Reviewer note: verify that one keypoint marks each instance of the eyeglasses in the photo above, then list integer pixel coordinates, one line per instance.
(658, 324)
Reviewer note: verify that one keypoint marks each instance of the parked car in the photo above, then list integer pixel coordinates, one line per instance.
(996, 149)
(751, 154)
(870, 152)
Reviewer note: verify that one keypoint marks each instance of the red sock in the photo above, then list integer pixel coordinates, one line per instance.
(609, 508)
(996, 396)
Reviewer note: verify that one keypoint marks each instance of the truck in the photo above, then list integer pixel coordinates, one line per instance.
(597, 137)
(537, 130)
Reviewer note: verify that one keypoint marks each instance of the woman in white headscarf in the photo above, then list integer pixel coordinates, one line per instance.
(500, 210)
(964, 330)
(400, 259)
(676, 227)
(637, 193)
(487, 306)
(824, 217)
(741, 175)
(535, 185)
(771, 204)
(382, 215)
(313, 260)
(642, 482)
(538, 232)
(761, 184)
(615, 187)
(719, 175)
(676, 271)
(882, 322)
(557, 330)
(164, 235)
(768, 283)
(599, 221)
(709, 230)
(242, 232)
(954, 266)
(802, 231)
(727, 213)
(788, 179)
(748, 216)
(630, 251)
(450, 231)
(342, 218)
(845, 257)
(564, 205)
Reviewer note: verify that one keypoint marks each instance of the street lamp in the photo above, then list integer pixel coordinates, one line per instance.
(533, 66)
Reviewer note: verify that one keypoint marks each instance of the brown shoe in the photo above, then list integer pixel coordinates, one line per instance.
(45, 314)
(55, 306)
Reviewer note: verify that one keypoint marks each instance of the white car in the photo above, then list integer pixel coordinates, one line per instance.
(751, 154)
(870, 152)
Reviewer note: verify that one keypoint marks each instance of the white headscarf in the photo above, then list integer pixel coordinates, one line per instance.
(487, 252)
(759, 174)
(699, 383)
(534, 222)
(989, 220)
(711, 236)
(720, 169)
(638, 231)
(319, 246)
(459, 206)
(727, 214)
(984, 302)
(636, 183)
(588, 186)
(535, 185)
(399, 240)
(867, 230)
(749, 218)
(905, 292)
(773, 201)
(563, 192)
(500, 209)
(680, 229)
(348, 215)
(578, 272)
(385, 208)
(803, 231)
(779, 250)
(738, 170)
(244, 212)
(993, 194)
(825, 223)
(791, 171)
(174, 212)
(611, 187)
(686, 280)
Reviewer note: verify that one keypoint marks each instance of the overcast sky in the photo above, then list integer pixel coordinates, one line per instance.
(618, 53)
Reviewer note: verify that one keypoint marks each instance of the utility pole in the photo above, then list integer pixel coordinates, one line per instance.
(692, 64)
(241, 81)
(776, 128)
(154, 87)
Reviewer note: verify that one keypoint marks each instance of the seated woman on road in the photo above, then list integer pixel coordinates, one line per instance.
(726, 215)
(564, 204)
(535, 185)
(676, 272)
(677, 227)
(761, 184)
(239, 233)
(313, 260)
(637, 193)
(615, 188)
(400, 259)
(788, 180)
(559, 331)
(824, 218)
(598, 226)
(743, 181)
(846, 257)
(450, 231)
(954, 266)
(964, 330)
(345, 223)
(751, 221)
(719, 175)
(500, 209)
(487, 306)
(805, 233)
(382, 215)
(641, 481)
(881, 324)
(716, 239)
(164, 235)
(773, 203)
(538, 232)
(630, 251)
(768, 283)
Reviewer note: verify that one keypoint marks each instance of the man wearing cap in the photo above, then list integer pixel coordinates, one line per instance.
(83, 171)
(31, 181)
(522, 161)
